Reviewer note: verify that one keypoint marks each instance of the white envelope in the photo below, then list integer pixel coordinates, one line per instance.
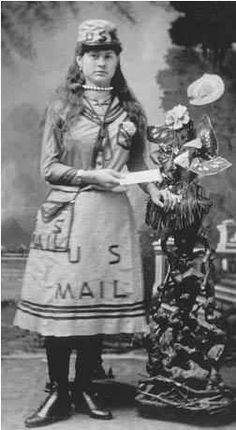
(152, 175)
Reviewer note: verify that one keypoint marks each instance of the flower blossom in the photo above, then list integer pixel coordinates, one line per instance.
(177, 117)
(129, 127)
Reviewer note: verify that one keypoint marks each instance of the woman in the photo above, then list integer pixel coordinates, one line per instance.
(83, 276)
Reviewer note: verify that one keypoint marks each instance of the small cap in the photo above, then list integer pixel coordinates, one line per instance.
(205, 90)
(98, 32)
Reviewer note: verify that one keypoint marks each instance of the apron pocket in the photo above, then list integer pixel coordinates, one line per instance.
(53, 222)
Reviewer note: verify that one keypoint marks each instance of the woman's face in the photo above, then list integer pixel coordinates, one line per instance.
(98, 66)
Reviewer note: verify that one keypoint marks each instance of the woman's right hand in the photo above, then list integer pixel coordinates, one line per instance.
(163, 198)
(105, 178)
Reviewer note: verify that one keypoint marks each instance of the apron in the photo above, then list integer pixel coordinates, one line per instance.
(83, 275)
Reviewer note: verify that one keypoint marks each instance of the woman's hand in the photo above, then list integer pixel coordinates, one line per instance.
(163, 198)
(104, 178)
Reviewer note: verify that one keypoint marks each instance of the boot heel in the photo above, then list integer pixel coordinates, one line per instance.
(90, 403)
(95, 409)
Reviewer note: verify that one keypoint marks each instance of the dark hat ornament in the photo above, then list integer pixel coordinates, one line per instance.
(208, 162)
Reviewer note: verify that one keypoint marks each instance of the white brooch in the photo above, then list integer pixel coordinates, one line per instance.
(129, 127)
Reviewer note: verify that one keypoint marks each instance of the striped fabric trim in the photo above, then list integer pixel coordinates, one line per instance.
(103, 305)
(105, 311)
(113, 114)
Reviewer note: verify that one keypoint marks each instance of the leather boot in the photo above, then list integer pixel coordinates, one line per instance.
(55, 407)
(84, 396)
(90, 402)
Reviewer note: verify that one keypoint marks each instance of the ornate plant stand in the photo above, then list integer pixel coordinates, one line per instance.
(186, 341)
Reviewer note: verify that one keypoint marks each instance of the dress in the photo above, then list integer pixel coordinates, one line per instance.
(83, 275)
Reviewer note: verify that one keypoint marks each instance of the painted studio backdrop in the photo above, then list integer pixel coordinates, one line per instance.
(159, 60)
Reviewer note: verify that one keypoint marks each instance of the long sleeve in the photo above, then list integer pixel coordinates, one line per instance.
(52, 169)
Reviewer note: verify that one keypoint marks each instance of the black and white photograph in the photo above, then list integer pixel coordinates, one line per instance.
(118, 215)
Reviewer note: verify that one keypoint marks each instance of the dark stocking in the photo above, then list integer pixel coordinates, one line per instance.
(88, 356)
(58, 350)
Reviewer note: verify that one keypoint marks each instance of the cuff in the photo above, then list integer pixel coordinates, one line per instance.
(79, 177)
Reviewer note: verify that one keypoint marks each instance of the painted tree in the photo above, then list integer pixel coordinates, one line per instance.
(19, 19)
(208, 25)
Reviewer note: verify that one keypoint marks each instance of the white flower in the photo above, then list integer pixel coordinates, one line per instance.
(177, 117)
(129, 127)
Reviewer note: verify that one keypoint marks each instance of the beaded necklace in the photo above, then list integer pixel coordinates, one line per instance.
(90, 88)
